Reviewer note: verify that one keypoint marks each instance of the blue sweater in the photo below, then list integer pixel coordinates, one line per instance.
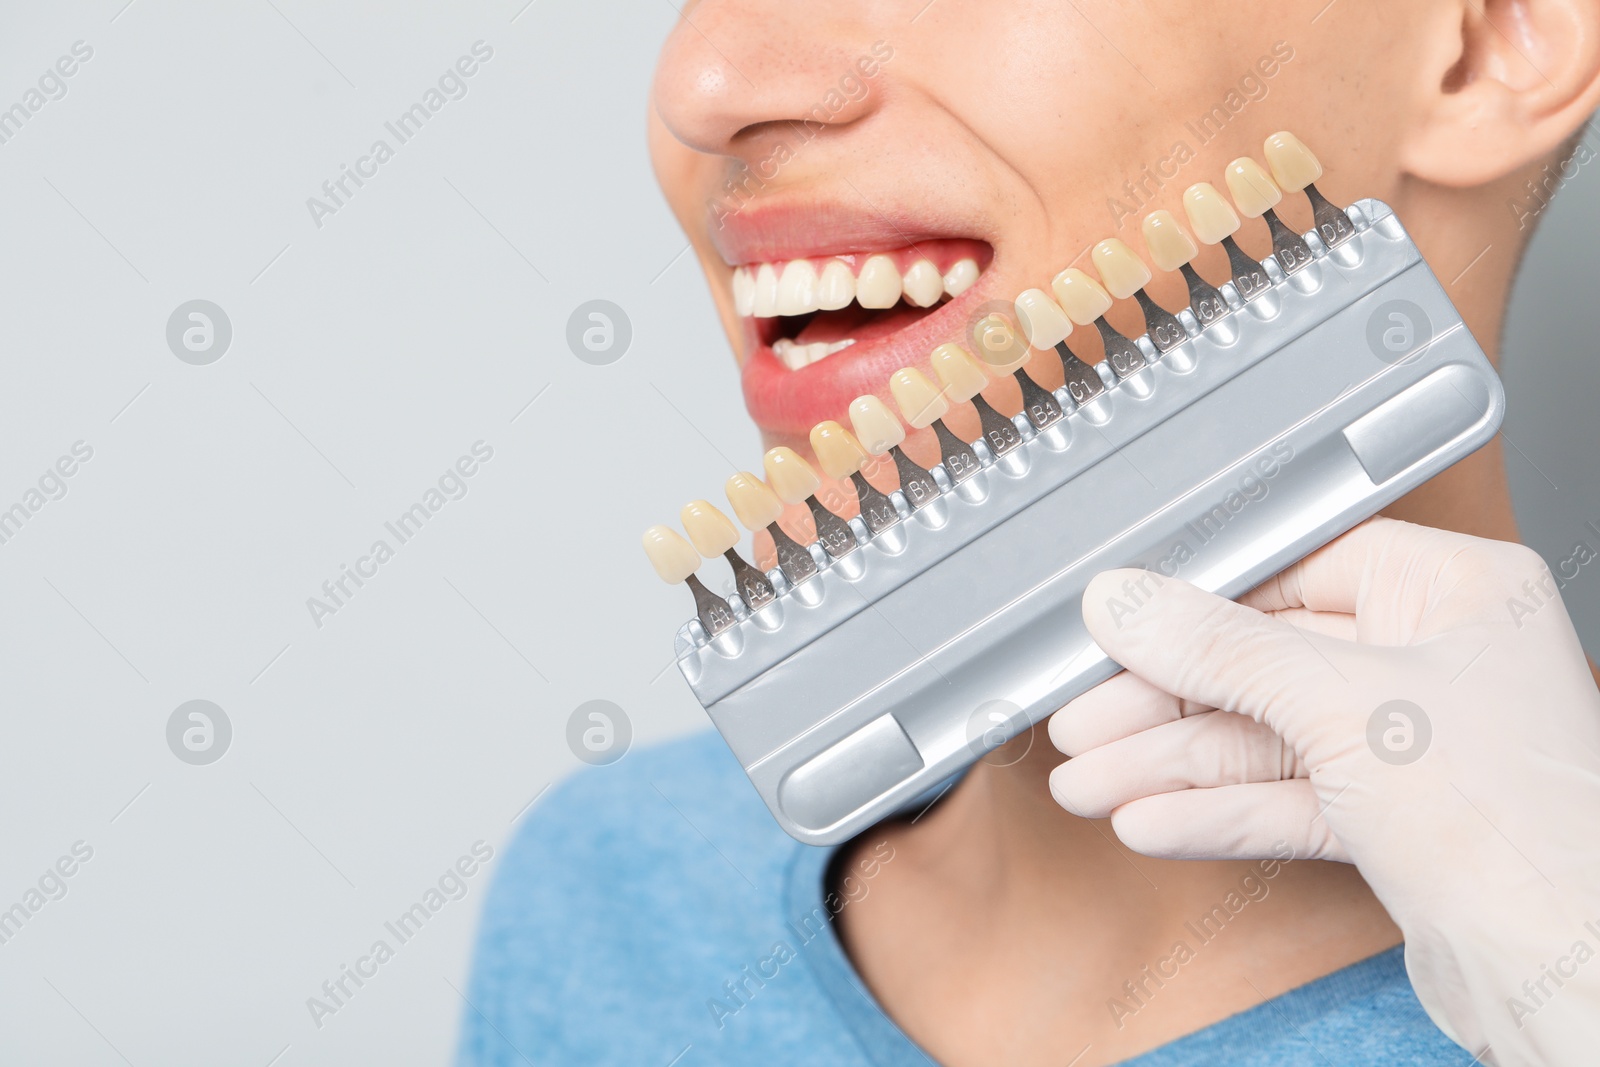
(651, 913)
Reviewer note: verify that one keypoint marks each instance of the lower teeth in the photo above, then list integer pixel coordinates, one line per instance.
(794, 356)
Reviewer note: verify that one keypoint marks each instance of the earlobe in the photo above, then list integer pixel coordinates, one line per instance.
(1507, 84)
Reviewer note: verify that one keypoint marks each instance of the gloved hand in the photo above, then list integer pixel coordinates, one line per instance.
(1411, 700)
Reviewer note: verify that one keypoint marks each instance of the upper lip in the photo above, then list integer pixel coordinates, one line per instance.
(777, 232)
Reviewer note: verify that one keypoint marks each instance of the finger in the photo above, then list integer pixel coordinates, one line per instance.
(1230, 822)
(1124, 705)
(1208, 750)
(1127, 704)
(1328, 623)
(1211, 651)
(1330, 578)
(1396, 576)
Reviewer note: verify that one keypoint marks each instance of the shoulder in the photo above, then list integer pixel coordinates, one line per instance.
(659, 810)
(627, 899)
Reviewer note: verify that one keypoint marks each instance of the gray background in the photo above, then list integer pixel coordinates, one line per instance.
(368, 354)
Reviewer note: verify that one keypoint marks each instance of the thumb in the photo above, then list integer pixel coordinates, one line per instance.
(1207, 649)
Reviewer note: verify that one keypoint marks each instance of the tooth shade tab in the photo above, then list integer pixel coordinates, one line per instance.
(958, 372)
(753, 501)
(790, 476)
(1121, 269)
(998, 345)
(673, 558)
(1169, 243)
(797, 288)
(1253, 190)
(1042, 319)
(922, 285)
(836, 286)
(876, 427)
(1080, 296)
(960, 277)
(1210, 214)
(878, 285)
(1294, 166)
(920, 401)
(838, 452)
(712, 532)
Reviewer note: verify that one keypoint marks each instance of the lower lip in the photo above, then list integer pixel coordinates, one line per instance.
(788, 402)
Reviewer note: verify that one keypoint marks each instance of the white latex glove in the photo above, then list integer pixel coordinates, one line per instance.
(1472, 810)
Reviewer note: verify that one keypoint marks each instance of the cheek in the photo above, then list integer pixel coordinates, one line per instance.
(677, 169)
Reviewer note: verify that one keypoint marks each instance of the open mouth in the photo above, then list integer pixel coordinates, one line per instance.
(823, 330)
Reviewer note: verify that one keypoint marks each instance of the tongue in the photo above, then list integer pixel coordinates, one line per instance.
(858, 322)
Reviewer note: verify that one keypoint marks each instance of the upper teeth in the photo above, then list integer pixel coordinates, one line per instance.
(795, 356)
(768, 290)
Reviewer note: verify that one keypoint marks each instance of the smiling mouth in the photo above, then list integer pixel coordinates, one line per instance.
(823, 329)
(808, 309)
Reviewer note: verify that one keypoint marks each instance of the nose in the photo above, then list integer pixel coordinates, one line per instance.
(737, 74)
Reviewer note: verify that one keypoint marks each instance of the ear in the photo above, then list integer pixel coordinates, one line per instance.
(1510, 82)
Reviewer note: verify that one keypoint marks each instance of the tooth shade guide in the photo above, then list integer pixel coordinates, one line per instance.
(964, 380)
(1210, 214)
(876, 509)
(959, 374)
(997, 345)
(1083, 299)
(1163, 328)
(755, 589)
(916, 484)
(822, 685)
(879, 432)
(796, 482)
(1294, 166)
(1121, 352)
(793, 559)
(673, 558)
(1249, 280)
(875, 426)
(714, 534)
(960, 462)
(1122, 272)
(1332, 222)
(1041, 318)
(921, 403)
(1169, 244)
(753, 501)
(841, 457)
(1296, 169)
(1205, 299)
(1253, 190)
(1172, 248)
(1081, 380)
(838, 452)
(710, 531)
(675, 561)
(833, 532)
(1288, 247)
(789, 476)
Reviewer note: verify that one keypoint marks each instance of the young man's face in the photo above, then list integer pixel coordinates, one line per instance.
(981, 147)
